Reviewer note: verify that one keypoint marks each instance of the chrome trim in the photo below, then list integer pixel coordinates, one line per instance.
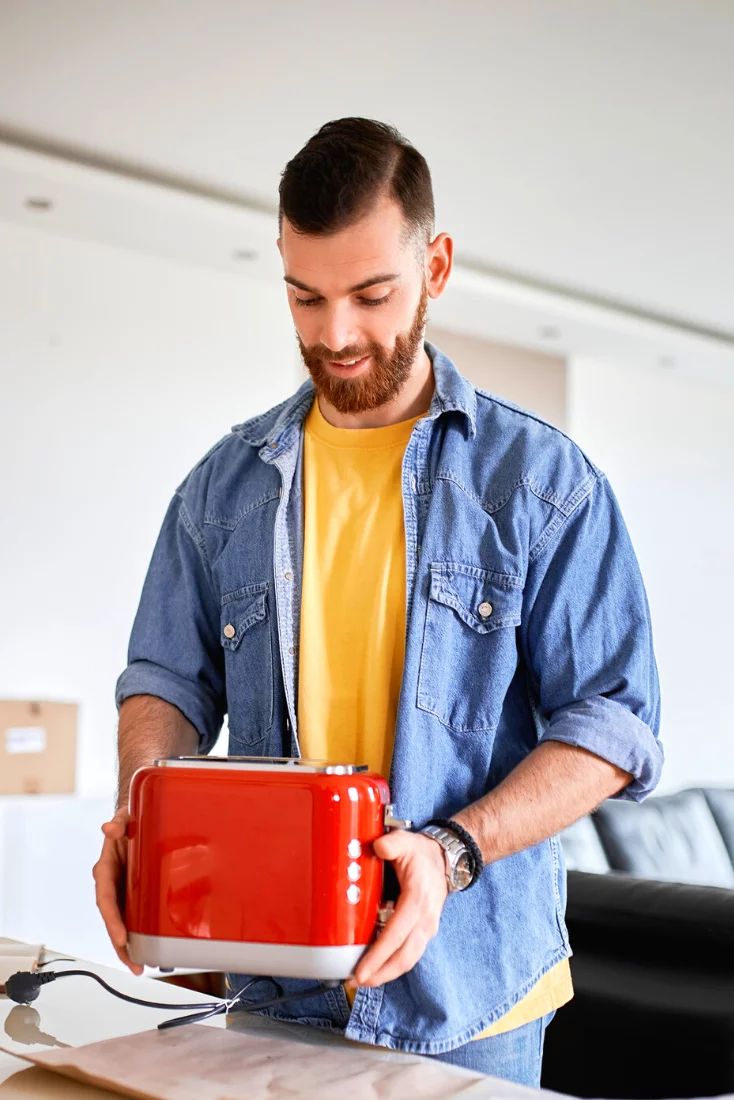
(260, 763)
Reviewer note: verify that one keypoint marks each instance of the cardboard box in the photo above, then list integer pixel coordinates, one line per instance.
(37, 747)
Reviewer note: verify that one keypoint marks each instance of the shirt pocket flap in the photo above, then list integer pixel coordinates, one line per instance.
(241, 609)
(483, 599)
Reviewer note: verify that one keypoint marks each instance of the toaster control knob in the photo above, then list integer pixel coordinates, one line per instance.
(354, 849)
(353, 893)
(354, 872)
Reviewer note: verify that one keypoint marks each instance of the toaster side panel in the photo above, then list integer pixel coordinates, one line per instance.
(231, 856)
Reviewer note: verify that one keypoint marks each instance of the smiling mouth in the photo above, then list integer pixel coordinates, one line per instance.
(348, 364)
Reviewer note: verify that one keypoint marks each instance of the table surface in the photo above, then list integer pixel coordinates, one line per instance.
(74, 1012)
(78, 1011)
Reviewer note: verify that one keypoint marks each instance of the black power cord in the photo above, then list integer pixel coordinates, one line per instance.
(24, 987)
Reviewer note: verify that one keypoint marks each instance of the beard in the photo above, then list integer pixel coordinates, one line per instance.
(387, 373)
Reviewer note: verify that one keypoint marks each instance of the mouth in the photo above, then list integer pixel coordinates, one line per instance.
(349, 368)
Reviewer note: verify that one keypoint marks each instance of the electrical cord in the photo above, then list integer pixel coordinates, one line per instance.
(24, 987)
(222, 1006)
(226, 1006)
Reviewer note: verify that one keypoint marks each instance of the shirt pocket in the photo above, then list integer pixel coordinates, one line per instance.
(246, 638)
(469, 651)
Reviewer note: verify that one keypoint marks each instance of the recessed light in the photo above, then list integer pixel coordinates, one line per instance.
(39, 204)
(549, 332)
(244, 254)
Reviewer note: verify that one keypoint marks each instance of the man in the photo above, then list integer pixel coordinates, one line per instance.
(397, 569)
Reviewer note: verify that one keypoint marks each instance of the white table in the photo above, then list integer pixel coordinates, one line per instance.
(77, 1011)
(73, 1012)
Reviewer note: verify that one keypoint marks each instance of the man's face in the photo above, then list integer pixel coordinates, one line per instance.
(358, 300)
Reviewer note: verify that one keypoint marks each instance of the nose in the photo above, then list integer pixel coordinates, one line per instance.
(338, 330)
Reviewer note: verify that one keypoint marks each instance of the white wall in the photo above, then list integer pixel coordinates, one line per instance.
(667, 446)
(118, 370)
(534, 381)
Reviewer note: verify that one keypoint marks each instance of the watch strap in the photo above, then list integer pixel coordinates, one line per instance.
(467, 839)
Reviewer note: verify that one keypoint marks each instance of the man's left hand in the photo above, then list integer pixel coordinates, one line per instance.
(421, 871)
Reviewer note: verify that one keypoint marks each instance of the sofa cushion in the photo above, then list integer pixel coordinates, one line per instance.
(672, 838)
(582, 848)
(721, 804)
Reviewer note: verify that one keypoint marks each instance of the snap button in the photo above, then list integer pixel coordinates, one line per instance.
(229, 631)
(485, 609)
(288, 576)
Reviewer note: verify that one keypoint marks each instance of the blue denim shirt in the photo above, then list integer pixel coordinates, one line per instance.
(500, 508)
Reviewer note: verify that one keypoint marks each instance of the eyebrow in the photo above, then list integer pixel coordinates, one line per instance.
(374, 281)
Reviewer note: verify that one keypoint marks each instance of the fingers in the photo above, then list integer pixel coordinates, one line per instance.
(109, 872)
(402, 960)
(419, 866)
(398, 929)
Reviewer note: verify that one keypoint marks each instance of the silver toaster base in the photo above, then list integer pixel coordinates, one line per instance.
(275, 960)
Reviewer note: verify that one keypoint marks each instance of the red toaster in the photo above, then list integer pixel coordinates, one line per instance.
(254, 865)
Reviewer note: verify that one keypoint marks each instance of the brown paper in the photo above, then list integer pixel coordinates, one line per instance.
(205, 1063)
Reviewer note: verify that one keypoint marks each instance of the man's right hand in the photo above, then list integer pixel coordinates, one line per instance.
(109, 878)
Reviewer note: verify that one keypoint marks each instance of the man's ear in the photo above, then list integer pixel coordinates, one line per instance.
(439, 262)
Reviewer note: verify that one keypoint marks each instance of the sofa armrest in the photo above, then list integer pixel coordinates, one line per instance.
(647, 919)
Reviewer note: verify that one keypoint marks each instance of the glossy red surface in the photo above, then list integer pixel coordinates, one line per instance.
(253, 856)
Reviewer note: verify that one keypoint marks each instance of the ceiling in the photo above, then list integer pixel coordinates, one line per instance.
(581, 145)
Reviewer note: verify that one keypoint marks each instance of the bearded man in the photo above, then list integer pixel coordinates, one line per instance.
(393, 568)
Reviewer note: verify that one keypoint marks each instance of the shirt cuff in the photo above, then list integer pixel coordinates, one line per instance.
(611, 731)
(147, 678)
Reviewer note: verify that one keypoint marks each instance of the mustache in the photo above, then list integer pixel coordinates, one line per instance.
(344, 355)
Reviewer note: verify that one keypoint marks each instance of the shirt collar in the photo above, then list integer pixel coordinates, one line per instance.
(276, 428)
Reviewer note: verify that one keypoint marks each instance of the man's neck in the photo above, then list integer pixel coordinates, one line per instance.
(413, 400)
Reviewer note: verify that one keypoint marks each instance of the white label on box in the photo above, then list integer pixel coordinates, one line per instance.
(25, 739)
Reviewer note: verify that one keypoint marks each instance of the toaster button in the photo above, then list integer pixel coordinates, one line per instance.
(354, 849)
(354, 872)
(353, 894)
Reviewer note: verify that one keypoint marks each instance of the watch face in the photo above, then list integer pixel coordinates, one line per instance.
(463, 871)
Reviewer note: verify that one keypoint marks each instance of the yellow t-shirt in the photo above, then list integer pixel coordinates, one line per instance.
(352, 645)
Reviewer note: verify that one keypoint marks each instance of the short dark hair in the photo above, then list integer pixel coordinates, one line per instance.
(343, 170)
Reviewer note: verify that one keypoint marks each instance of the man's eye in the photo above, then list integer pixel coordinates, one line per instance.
(305, 301)
(374, 301)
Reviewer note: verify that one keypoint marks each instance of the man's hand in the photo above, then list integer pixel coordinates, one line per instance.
(421, 871)
(109, 878)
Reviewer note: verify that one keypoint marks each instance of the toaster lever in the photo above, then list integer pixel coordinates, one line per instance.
(392, 822)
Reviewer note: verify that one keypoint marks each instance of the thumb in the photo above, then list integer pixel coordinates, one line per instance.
(116, 828)
(392, 845)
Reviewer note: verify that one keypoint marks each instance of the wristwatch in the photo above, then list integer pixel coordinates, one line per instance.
(458, 859)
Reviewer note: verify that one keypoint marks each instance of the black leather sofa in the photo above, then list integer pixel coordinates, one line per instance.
(651, 922)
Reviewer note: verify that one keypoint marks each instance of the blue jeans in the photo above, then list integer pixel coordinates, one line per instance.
(514, 1056)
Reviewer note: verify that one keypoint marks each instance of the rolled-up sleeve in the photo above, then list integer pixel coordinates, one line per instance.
(588, 644)
(174, 650)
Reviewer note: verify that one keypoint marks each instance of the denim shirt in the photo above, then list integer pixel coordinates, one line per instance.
(500, 508)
